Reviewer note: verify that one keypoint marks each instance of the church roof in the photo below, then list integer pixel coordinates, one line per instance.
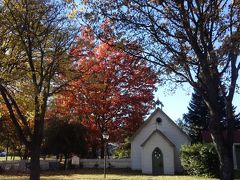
(149, 119)
(161, 134)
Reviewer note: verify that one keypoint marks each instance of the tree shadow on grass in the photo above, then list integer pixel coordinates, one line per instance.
(85, 171)
(75, 171)
(93, 171)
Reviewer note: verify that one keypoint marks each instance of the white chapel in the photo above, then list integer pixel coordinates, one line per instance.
(155, 147)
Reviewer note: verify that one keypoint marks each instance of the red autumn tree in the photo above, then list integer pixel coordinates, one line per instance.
(115, 90)
(9, 141)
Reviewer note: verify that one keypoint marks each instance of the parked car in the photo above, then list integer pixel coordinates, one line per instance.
(3, 154)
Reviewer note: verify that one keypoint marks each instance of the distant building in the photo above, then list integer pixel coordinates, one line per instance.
(155, 147)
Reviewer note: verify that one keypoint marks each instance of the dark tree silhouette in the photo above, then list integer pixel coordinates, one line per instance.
(196, 120)
(66, 137)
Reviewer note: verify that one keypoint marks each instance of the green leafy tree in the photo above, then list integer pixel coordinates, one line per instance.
(195, 42)
(34, 40)
(66, 137)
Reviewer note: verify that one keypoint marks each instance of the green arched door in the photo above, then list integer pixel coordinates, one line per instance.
(157, 162)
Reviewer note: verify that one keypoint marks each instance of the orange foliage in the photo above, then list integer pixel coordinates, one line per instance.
(114, 92)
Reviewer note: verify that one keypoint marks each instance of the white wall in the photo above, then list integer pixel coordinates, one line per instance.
(136, 155)
(20, 165)
(157, 140)
(99, 163)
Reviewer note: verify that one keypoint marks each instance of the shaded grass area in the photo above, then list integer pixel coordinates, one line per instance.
(237, 174)
(113, 174)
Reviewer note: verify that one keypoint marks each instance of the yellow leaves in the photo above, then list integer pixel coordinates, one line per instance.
(82, 9)
(155, 1)
(30, 115)
(68, 1)
(4, 44)
(75, 7)
(126, 2)
(72, 14)
(84, 2)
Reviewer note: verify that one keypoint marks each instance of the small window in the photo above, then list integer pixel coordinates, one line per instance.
(158, 120)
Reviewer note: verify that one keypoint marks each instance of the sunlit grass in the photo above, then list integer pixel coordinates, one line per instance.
(9, 158)
(18, 158)
(97, 174)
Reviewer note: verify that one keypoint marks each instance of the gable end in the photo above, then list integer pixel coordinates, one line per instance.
(161, 134)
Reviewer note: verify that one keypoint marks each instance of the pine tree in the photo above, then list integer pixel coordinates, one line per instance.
(196, 120)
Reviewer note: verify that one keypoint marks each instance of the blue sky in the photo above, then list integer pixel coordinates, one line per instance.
(175, 104)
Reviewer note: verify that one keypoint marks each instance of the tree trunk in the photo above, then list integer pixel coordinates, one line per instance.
(225, 157)
(35, 162)
(222, 135)
(102, 149)
(60, 158)
(226, 168)
(66, 161)
(25, 154)
(94, 154)
(107, 151)
(7, 152)
(224, 145)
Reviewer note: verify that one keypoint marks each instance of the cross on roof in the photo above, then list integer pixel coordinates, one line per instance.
(159, 103)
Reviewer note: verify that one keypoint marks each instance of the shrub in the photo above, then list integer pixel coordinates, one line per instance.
(121, 153)
(200, 160)
(123, 150)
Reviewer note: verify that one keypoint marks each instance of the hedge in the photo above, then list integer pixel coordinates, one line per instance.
(200, 160)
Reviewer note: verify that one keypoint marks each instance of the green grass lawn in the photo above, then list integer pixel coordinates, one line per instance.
(18, 158)
(97, 174)
(9, 158)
